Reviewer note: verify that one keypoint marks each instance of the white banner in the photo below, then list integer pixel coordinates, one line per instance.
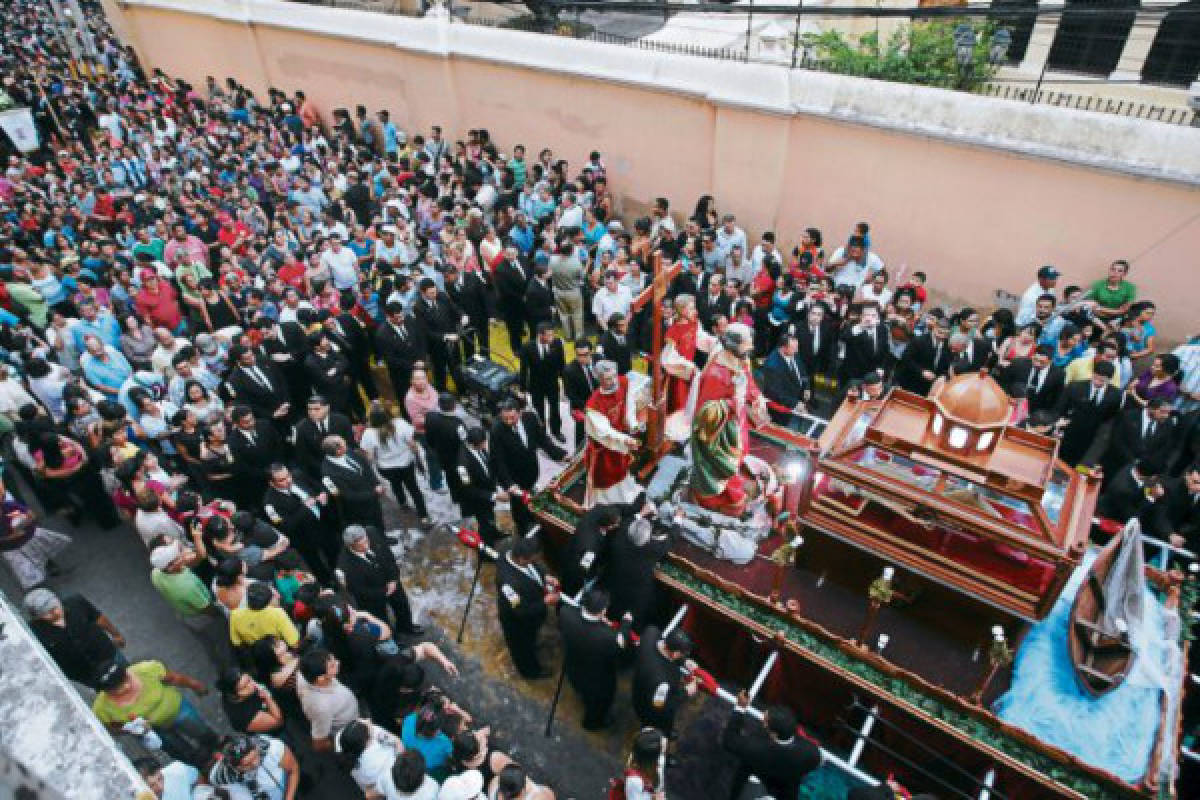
(18, 124)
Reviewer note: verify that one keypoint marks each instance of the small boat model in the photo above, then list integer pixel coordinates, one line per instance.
(1098, 636)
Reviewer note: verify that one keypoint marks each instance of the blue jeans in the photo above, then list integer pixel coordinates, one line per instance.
(188, 737)
(437, 480)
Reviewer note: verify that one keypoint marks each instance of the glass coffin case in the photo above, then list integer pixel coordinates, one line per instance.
(946, 488)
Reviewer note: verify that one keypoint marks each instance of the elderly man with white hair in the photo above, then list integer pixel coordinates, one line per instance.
(611, 417)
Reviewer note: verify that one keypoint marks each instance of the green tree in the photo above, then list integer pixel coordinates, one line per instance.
(921, 53)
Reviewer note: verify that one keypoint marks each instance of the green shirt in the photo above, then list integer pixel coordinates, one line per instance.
(185, 592)
(1108, 297)
(154, 247)
(157, 703)
(29, 297)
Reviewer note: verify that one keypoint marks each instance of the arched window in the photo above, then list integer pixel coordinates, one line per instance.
(1089, 38)
(1019, 25)
(1174, 58)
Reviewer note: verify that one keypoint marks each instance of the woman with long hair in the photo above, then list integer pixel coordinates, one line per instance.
(276, 665)
(390, 444)
(64, 463)
(1160, 380)
(366, 752)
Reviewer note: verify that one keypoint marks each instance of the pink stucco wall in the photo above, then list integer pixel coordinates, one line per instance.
(975, 218)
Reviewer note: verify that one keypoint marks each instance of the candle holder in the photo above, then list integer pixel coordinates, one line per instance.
(879, 594)
(1000, 655)
(782, 558)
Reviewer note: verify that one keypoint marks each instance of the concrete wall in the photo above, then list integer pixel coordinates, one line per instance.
(978, 192)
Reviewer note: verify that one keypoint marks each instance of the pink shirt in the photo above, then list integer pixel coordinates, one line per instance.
(418, 404)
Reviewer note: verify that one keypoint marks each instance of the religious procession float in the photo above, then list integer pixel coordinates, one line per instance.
(916, 573)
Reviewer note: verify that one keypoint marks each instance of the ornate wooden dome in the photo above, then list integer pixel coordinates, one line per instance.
(974, 399)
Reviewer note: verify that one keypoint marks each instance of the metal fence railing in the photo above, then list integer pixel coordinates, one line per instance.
(798, 57)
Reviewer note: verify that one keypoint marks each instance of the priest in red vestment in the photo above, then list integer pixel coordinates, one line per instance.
(683, 339)
(610, 418)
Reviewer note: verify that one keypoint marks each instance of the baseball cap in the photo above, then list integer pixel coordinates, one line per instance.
(1048, 273)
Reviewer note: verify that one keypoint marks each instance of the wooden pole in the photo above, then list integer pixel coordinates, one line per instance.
(655, 424)
(872, 611)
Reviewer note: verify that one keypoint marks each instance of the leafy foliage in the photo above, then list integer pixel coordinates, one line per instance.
(921, 53)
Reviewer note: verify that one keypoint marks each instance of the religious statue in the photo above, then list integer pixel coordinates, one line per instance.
(723, 405)
(684, 338)
(613, 414)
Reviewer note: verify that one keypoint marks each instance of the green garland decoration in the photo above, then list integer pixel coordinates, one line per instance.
(898, 688)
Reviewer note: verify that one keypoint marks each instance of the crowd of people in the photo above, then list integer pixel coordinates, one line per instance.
(237, 326)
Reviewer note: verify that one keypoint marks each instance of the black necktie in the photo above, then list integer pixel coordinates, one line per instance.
(795, 370)
(587, 373)
(321, 426)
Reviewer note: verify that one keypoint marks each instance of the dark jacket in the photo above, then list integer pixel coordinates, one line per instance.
(540, 373)
(784, 381)
(511, 282)
(517, 463)
(781, 766)
(577, 386)
(308, 437)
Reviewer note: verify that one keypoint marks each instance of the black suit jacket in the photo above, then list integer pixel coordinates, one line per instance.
(686, 283)
(512, 280)
(1044, 394)
(973, 359)
(307, 440)
(619, 352)
(289, 513)
(367, 577)
(539, 302)
(519, 598)
(438, 320)
(471, 295)
(355, 484)
(1123, 498)
(780, 766)
(861, 356)
(538, 373)
(445, 433)
(263, 400)
(1085, 420)
(922, 354)
(818, 355)
(329, 375)
(782, 384)
(478, 483)
(517, 463)
(576, 386)
(708, 307)
(253, 459)
(1127, 444)
(1180, 513)
(398, 352)
(593, 650)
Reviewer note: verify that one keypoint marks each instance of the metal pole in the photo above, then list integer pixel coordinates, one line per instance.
(860, 742)
(462, 626)
(749, 26)
(796, 33)
(1041, 77)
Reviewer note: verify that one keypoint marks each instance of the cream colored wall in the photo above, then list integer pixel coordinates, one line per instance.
(975, 218)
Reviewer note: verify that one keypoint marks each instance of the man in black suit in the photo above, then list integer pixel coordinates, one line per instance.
(1180, 510)
(516, 439)
(302, 512)
(470, 294)
(320, 421)
(255, 446)
(713, 302)
(967, 353)
(355, 343)
(1041, 381)
(329, 373)
(1125, 495)
(512, 279)
(445, 433)
(1141, 433)
(926, 359)
(634, 550)
(592, 653)
(771, 750)
(478, 490)
(690, 281)
(542, 361)
(437, 315)
(785, 382)
(369, 571)
(579, 381)
(585, 554)
(399, 347)
(349, 477)
(866, 347)
(523, 593)
(615, 345)
(816, 342)
(1083, 409)
(259, 386)
(539, 299)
